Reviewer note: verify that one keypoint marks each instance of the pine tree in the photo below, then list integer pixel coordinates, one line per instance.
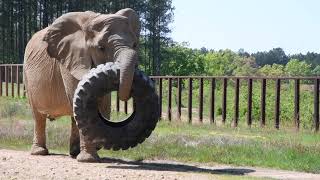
(20, 19)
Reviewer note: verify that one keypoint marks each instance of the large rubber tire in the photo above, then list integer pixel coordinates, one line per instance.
(115, 135)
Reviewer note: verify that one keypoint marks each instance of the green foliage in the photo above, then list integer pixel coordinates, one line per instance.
(272, 70)
(12, 108)
(244, 66)
(293, 68)
(181, 60)
(219, 63)
(310, 58)
(316, 71)
(297, 68)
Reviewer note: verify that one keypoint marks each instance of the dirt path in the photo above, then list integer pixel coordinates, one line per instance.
(20, 165)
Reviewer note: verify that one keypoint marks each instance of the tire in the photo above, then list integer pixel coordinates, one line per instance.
(115, 135)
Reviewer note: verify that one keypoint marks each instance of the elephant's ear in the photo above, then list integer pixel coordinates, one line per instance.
(66, 42)
(134, 21)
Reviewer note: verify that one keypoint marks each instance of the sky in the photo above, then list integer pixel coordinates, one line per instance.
(254, 25)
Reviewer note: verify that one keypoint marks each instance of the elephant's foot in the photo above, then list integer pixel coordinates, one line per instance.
(39, 150)
(88, 157)
(74, 150)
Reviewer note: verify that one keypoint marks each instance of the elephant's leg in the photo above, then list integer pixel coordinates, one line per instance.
(105, 105)
(88, 151)
(39, 137)
(74, 139)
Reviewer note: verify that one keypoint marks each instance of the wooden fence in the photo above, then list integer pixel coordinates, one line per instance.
(11, 79)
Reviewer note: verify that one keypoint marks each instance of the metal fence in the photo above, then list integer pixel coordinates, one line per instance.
(12, 85)
(11, 80)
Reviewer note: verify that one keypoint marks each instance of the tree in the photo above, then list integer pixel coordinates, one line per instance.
(180, 60)
(20, 19)
(274, 56)
(310, 58)
(297, 68)
(244, 66)
(316, 71)
(271, 70)
(157, 17)
(219, 63)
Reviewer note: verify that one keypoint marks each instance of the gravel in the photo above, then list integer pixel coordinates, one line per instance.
(21, 165)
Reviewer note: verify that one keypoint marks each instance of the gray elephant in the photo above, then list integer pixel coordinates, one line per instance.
(58, 57)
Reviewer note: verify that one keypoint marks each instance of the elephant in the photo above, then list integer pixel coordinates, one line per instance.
(58, 57)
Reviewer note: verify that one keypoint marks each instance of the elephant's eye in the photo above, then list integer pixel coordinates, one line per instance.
(101, 48)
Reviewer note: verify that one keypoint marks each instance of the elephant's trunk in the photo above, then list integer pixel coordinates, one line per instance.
(127, 58)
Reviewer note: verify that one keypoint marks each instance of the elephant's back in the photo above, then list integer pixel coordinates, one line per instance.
(44, 84)
(36, 51)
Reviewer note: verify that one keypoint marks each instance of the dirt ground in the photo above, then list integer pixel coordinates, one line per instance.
(21, 165)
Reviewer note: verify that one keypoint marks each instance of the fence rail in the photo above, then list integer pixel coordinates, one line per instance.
(11, 81)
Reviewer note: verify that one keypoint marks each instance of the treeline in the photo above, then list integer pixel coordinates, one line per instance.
(159, 55)
(182, 60)
(20, 19)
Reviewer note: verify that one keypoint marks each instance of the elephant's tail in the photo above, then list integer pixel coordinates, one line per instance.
(115, 135)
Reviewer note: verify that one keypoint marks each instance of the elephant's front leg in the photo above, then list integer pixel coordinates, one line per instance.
(74, 139)
(88, 151)
(104, 104)
(39, 137)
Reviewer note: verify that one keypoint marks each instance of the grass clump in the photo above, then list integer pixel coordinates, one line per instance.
(14, 108)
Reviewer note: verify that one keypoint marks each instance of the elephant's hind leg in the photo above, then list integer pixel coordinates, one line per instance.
(74, 139)
(39, 137)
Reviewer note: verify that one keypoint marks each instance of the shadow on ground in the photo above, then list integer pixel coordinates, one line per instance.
(174, 167)
(139, 165)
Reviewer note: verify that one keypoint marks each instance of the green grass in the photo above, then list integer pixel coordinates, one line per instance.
(283, 149)
(270, 148)
(209, 144)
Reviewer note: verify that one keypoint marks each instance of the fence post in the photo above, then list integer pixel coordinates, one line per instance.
(179, 99)
(297, 103)
(6, 79)
(263, 102)
(169, 98)
(249, 113)
(190, 101)
(236, 102)
(316, 105)
(160, 97)
(224, 100)
(117, 102)
(126, 107)
(212, 99)
(277, 104)
(18, 80)
(1, 80)
(12, 80)
(201, 101)
(24, 90)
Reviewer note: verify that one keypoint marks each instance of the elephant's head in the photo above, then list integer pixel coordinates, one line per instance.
(82, 40)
